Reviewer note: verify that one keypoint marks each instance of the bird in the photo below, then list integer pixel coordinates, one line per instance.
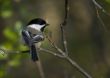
(32, 34)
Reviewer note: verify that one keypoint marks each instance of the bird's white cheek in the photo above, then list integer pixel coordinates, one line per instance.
(36, 27)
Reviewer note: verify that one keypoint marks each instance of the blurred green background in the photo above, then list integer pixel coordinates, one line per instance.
(88, 41)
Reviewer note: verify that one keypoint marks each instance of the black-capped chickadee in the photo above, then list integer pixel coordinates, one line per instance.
(33, 33)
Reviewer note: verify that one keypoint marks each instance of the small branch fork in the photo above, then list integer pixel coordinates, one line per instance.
(98, 6)
(100, 19)
(61, 53)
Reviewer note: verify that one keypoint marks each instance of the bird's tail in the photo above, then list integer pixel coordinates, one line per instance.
(33, 53)
(35, 58)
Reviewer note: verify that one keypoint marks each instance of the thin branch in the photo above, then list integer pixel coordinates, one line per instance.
(64, 23)
(39, 64)
(64, 41)
(4, 51)
(80, 69)
(101, 21)
(98, 16)
(100, 7)
(55, 54)
(51, 52)
(40, 68)
(66, 13)
(54, 46)
(64, 54)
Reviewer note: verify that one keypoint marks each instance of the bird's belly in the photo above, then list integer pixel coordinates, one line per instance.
(38, 45)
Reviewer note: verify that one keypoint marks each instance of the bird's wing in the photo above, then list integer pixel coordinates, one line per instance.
(37, 38)
(26, 36)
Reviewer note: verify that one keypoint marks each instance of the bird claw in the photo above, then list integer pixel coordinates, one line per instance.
(36, 39)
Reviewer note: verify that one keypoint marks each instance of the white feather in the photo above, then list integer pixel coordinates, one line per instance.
(36, 27)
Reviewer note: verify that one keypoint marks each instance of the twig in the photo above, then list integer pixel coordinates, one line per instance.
(39, 65)
(4, 51)
(101, 21)
(51, 52)
(98, 16)
(64, 40)
(100, 7)
(64, 54)
(69, 60)
(64, 23)
(66, 13)
(54, 46)
(80, 69)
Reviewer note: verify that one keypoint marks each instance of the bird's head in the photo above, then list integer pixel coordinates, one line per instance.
(38, 24)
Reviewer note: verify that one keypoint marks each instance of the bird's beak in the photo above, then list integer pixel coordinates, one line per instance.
(47, 24)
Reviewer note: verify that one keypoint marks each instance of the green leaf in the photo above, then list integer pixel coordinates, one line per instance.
(18, 25)
(6, 13)
(9, 34)
(7, 45)
(23, 47)
(3, 56)
(2, 73)
(15, 62)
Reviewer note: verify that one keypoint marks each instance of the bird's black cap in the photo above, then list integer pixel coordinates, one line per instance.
(37, 21)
